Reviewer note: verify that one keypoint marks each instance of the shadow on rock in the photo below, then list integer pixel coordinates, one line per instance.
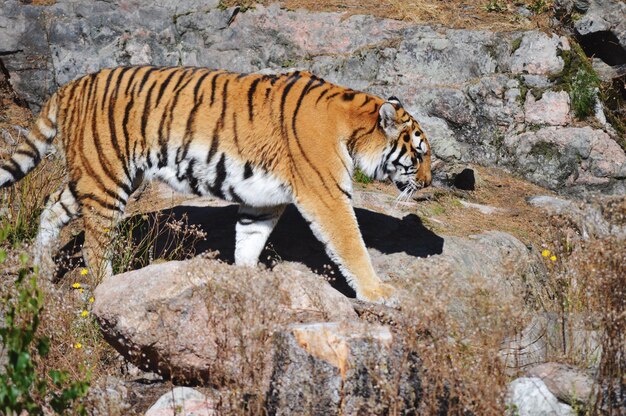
(291, 240)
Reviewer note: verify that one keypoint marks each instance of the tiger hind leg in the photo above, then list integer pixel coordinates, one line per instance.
(60, 209)
(99, 227)
(254, 226)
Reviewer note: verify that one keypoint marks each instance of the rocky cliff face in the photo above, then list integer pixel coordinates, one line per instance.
(490, 98)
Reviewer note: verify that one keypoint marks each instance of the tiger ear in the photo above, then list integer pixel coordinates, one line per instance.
(387, 116)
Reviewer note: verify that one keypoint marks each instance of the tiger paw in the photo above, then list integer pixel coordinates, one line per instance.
(381, 293)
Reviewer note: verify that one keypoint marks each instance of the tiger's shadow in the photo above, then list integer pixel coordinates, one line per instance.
(291, 240)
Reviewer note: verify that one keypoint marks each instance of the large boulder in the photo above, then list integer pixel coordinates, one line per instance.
(348, 368)
(206, 320)
(569, 157)
(569, 384)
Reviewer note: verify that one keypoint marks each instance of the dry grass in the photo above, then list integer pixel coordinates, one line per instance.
(461, 14)
(587, 290)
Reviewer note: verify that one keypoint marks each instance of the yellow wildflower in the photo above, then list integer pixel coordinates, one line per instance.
(76, 285)
(553, 258)
(545, 253)
(106, 230)
(83, 272)
(81, 290)
(78, 345)
(92, 299)
(84, 313)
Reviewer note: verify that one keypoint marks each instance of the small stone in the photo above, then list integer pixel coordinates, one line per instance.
(182, 401)
(465, 180)
(531, 397)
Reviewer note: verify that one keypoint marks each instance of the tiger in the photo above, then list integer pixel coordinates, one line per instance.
(262, 141)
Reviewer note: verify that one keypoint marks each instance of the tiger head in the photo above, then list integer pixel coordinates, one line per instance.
(406, 158)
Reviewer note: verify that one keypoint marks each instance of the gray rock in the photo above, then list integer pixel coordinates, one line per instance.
(348, 368)
(538, 54)
(183, 401)
(605, 16)
(199, 319)
(529, 396)
(573, 157)
(589, 217)
(493, 263)
(543, 338)
(552, 109)
(569, 384)
(537, 81)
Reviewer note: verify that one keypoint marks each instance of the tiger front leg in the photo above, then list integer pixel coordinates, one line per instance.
(254, 226)
(335, 225)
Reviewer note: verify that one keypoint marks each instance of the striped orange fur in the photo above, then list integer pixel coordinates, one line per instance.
(262, 141)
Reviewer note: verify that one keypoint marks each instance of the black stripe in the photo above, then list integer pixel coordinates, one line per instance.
(184, 73)
(213, 87)
(37, 154)
(120, 77)
(66, 209)
(251, 98)
(127, 109)
(234, 196)
(188, 136)
(162, 143)
(283, 100)
(224, 103)
(198, 84)
(331, 96)
(26, 152)
(131, 78)
(220, 177)
(104, 204)
(14, 169)
(236, 133)
(142, 83)
(247, 170)
(193, 181)
(348, 96)
(113, 132)
(164, 85)
(213, 149)
(323, 93)
(107, 85)
(346, 193)
(367, 100)
(146, 113)
(101, 155)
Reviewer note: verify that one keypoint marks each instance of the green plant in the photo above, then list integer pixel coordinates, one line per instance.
(495, 6)
(583, 92)
(360, 177)
(538, 6)
(22, 386)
